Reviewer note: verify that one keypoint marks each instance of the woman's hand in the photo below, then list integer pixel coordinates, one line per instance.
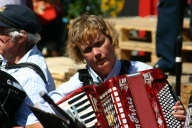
(179, 112)
(36, 125)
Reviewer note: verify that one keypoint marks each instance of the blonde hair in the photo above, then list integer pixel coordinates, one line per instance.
(85, 28)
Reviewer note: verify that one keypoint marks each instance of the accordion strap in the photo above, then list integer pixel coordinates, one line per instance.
(142, 103)
(33, 66)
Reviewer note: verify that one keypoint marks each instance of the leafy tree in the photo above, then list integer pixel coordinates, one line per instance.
(78, 7)
(106, 8)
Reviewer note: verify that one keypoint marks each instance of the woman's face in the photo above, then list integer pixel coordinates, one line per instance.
(99, 54)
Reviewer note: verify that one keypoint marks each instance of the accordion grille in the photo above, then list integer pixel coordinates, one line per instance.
(113, 108)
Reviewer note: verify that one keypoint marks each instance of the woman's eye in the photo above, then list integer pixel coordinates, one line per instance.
(98, 44)
(87, 50)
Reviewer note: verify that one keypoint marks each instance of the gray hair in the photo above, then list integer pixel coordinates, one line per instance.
(31, 38)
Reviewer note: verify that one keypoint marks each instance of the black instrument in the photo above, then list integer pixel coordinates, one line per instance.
(61, 119)
(11, 97)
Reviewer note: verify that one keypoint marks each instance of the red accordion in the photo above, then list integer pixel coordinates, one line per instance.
(144, 99)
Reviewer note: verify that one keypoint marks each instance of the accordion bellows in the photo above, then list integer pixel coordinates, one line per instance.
(144, 99)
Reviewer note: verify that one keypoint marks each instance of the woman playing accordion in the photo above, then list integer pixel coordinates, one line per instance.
(92, 40)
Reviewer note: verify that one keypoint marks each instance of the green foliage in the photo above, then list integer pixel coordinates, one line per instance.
(106, 8)
(78, 7)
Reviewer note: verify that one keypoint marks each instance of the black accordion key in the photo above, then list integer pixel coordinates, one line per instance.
(83, 108)
(86, 115)
(76, 99)
(80, 103)
(89, 120)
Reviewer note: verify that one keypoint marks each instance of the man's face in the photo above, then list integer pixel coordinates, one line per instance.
(7, 47)
(99, 54)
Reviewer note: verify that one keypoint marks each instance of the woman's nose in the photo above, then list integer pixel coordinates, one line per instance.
(96, 51)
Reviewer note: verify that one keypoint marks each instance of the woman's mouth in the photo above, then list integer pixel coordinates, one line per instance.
(100, 61)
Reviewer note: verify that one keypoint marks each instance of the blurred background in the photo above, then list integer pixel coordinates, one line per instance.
(55, 16)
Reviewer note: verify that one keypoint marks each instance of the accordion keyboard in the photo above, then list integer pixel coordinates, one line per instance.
(80, 107)
(167, 103)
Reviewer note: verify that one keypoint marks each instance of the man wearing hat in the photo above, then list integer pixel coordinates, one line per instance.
(19, 30)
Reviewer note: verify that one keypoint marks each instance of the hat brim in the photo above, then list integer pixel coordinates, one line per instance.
(4, 25)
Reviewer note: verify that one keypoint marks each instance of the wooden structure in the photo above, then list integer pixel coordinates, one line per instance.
(186, 92)
(128, 43)
(62, 68)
